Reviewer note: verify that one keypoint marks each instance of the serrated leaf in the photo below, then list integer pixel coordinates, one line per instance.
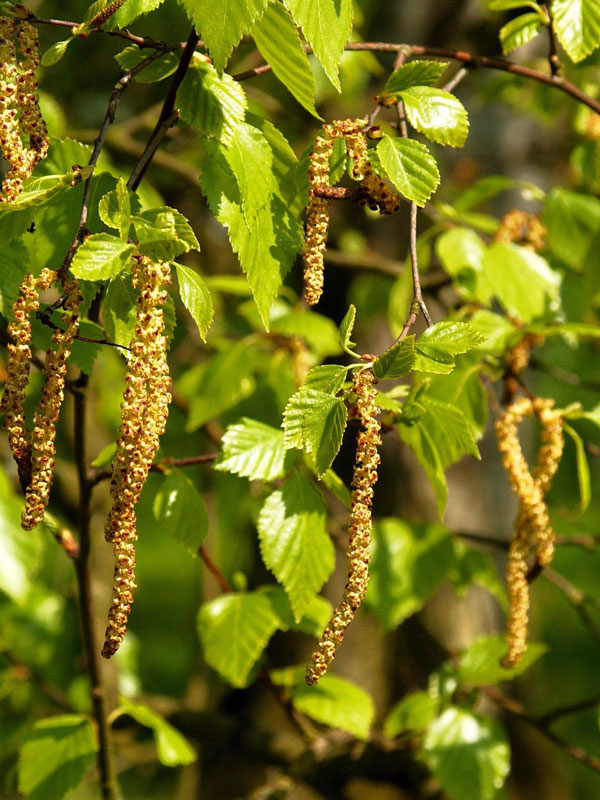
(234, 630)
(15, 265)
(464, 389)
(577, 26)
(519, 31)
(480, 663)
(437, 347)
(278, 41)
(254, 450)
(172, 747)
(318, 331)
(158, 70)
(397, 361)
(326, 25)
(131, 10)
(583, 469)
(164, 233)
(55, 52)
(328, 378)
(468, 754)
(55, 756)
(410, 167)
(415, 73)
(250, 159)
(222, 26)
(461, 252)
(412, 714)
(119, 310)
(409, 562)
(294, 542)
(21, 550)
(330, 480)
(573, 224)
(346, 326)
(507, 5)
(315, 422)
(522, 280)
(114, 209)
(100, 257)
(38, 191)
(195, 297)
(436, 114)
(338, 703)
(314, 619)
(179, 510)
(213, 103)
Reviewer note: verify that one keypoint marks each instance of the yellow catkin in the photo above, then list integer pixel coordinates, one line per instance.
(105, 14)
(532, 526)
(359, 526)
(375, 193)
(522, 228)
(48, 408)
(12, 404)
(23, 134)
(144, 412)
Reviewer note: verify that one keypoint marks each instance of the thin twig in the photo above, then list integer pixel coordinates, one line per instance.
(565, 711)
(214, 570)
(164, 465)
(553, 60)
(121, 33)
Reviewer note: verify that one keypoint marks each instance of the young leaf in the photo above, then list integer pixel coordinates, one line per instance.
(179, 510)
(583, 470)
(213, 103)
(468, 754)
(114, 209)
(254, 450)
(158, 70)
(222, 26)
(337, 702)
(250, 158)
(507, 5)
(315, 422)
(437, 114)
(131, 10)
(577, 26)
(234, 630)
(276, 37)
(410, 167)
(119, 310)
(164, 233)
(55, 756)
(346, 326)
(172, 747)
(397, 361)
(412, 714)
(15, 265)
(519, 31)
(21, 551)
(294, 542)
(319, 332)
(415, 73)
(472, 566)
(409, 563)
(314, 619)
(480, 663)
(461, 252)
(438, 345)
(100, 257)
(573, 224)
(38, 191)
(55, 52)
(196, 297)
(326, 25)
(327, 378)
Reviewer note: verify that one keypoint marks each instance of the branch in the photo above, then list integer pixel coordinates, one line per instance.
(121, 33)
(214, 570)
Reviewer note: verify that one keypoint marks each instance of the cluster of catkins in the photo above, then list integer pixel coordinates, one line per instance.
(144, 412)
(23, 134)
(533, 530)
(359, 525)
(34, 452)
(373, 192)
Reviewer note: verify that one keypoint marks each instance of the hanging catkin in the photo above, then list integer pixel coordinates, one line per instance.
(359, 525)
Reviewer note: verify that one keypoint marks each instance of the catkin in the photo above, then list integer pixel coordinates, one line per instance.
(532, 527)
(144, 412)
(23, 134)
(105, 14)
(359, 525)
(12, 404)
(48, 409)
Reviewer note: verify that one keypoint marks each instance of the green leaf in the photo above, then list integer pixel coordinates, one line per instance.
(164, 233)
(315, 422)
(222, 26)
(158, 70)
(469, 754)
(437, 346)
(55, 756)
(254, 450)
(225, 381)
(314, 619)
(212, 103)
(415, 73)
(519, 31)
(346, 326)
(15, 265)
(250, 158)
(464, 390)
(21, 550)
(577, 26)
(105, 456)
(131, 10)
(338, 703)
(330, 480)
(38, 191)
(115, 209)
(412, 714)
(319, 332)
(326, 25)
(172, 747)
(119, 310)
(410, 167)
(100, 257)
(294, 542)
(234, 630)
(328, 378)
(573, 224)
(480, 664)
(278, 41)
(196, 297)
(522, 281)
(583, 470)
(55, 52)
(472, 566)
(179, 510)
(461, 252)
(397, 361)
(409, 563)
(507, 5)
(436, 114)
